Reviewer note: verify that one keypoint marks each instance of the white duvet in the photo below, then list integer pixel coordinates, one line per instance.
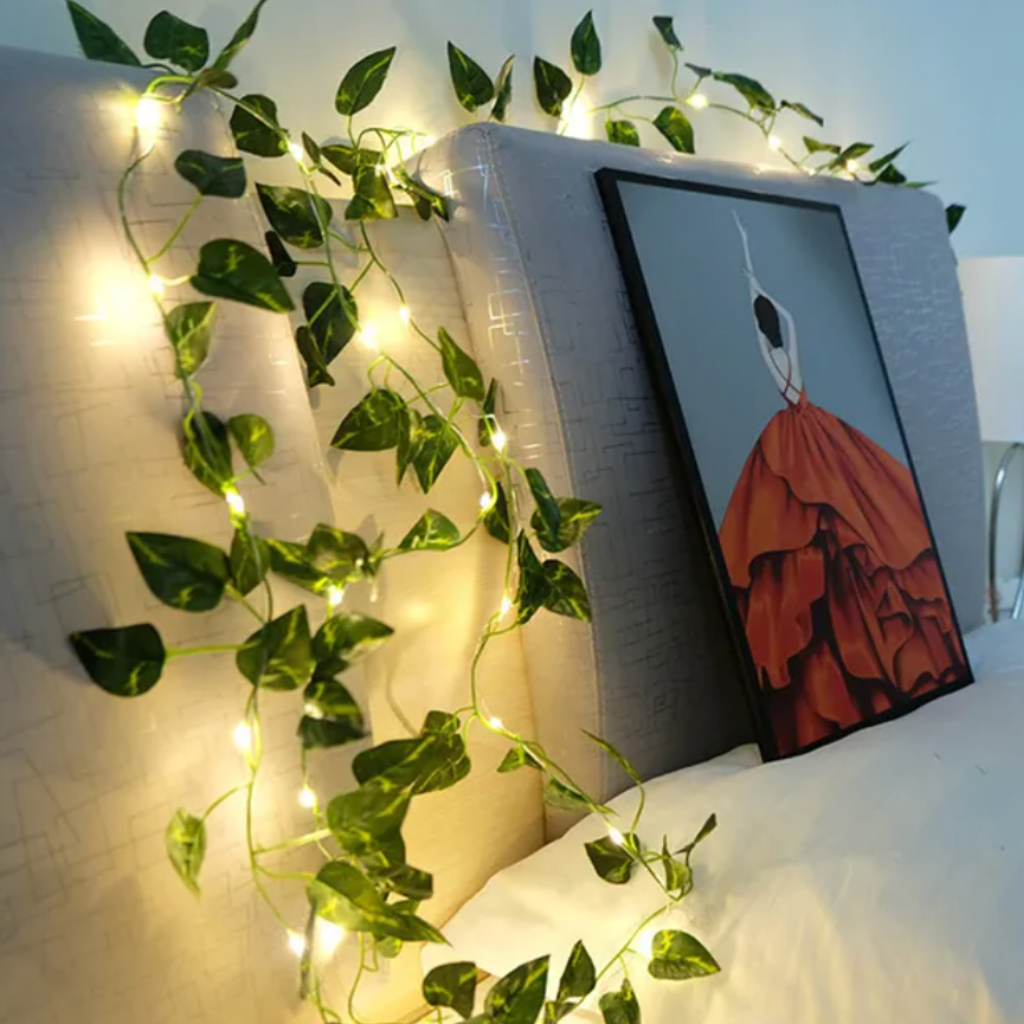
(878, 880)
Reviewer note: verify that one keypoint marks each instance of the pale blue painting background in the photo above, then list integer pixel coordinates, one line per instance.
(692, 260)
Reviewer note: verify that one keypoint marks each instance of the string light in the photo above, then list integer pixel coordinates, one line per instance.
(405, 315)
(853, 166)
(243, 737)
(335, 595)
(774, 143)
(499, 440)
(297, 152)
(312, 710)
(698, 101)
(296, 943)
(616, 836)
(487, 500)
(368, 336)
(147, 121)
(496, 723)
(307, 798)
(328, 937)
(644, 942)
(235, 502)
(506, 605)
(156, 285)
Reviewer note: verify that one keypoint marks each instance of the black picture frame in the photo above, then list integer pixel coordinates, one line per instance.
(608, 181)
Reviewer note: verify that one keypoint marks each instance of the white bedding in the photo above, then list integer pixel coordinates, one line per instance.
(874, 881)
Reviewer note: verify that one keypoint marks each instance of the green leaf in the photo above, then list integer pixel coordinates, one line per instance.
(278, 656)
(427, 763)
(496, 519)
(954, 214)
(667, 31)
(620, 1007)
(333, 320)
(242, 35)
(853, 152)
(291, 562)
(189, 329)
(349, 636)
(98, 40)
(372, 199)
(230, 269)
(706, 829)
(433, 445)
(518, 997)
(212, 175)
(279, 255)
(814, 146)
(186, 574)
(553, 86)
(585, 46)
(533, 585)
(891, 176)
(185, 840)
(262, 135)
(363, 81)
(341, 556)
(622, 133)
(579, 978)
(316, 368)
(333, 718)
(678, 956)
(619, 758)
(348, 159)
(565, 594)
(503, 91)
(433, 532)
(460, 369)
(566, 798)
(254, 437)
(312, 148)
(487, 423)
(548, 513)
(700, 71)
(803, 111)
(367, 823)
(345, 896)
(612, 862)
(676, 127)
(212, 78)
(250, 560)
(473, 86)
(207, 450)
(177, 42)
(295, 214)
(879, 165)
(126, 662)
(678, 876)
(575, 518)
(516, 758)
(452, 985)
(408, 881)
(750, 89)
(426, 200)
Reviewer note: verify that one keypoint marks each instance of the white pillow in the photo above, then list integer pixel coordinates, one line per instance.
(874, 881)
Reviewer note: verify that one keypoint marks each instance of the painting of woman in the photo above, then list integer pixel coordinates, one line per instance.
(830, 558)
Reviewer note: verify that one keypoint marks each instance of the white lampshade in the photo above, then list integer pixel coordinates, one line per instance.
(993, 290)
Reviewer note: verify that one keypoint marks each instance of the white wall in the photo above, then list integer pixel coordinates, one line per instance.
(885, 70)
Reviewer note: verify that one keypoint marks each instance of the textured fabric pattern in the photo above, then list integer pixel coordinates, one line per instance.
(545, 300)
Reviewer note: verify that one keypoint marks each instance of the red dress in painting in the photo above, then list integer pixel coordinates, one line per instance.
(831, 563)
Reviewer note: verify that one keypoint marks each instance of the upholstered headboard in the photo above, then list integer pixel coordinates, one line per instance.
(546, 306)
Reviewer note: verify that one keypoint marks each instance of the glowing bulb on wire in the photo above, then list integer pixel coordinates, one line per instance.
(774, 143)
(405, 315)
(296, 943)
(328, 937)
(852, 166)
(297, 152)
(616, 836)
(496, 723)
(235, 502)
(335, 595)
(644, 942)
(487, 501)
(368, 336)
(243, 737)
(147, 121)
(156, 285)
(698, 101)
(499, 440)
(307, 798)
(506, 605)
(312, 710)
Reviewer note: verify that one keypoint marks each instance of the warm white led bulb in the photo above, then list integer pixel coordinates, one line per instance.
(495, 723)
(297, 152)
(368, 336)
(307, 797)
(698, 101)
(487, 500)
(616, 836)
(328, 937)
(156, 284)
(852, 166)
(147, 121)
(405, 315)
(312, 710)
(243, 737)
(506, 605)
(644, 942)
(235, 502)
(774, 143)
(296, 943)
(499, 440)
(335, 595)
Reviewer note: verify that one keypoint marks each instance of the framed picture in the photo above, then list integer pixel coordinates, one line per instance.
(760, 341)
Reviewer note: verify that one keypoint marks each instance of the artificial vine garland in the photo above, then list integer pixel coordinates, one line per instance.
(365, 884)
